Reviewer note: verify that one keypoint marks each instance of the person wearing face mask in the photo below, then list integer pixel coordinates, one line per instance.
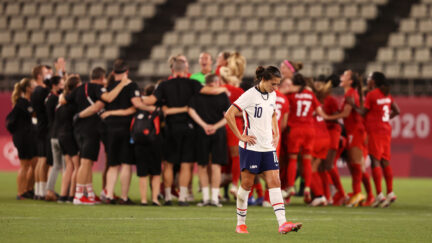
(38, 103)
(205, 61)
(19, 124)
(56, 85)
(258, 144)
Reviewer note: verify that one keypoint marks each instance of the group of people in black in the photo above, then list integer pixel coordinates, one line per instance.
(58, 122)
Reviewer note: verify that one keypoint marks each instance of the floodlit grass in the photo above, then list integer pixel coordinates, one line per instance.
(408, 220)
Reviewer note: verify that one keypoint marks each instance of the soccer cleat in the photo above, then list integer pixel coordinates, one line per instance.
(319, 201)
(390, 198)
(203, 204)
(307, 198)
(183, 204)
(368, 202)
(380, 198)
(356, 200)
(216, 204)
(242, 229)
(168, 203)
(339, 199)
(251, 201)
(289, 226)
(128, 201)
(95, 199)
(266, 204)
(82, 201)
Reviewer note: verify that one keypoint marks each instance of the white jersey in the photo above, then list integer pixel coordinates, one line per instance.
(258, 109)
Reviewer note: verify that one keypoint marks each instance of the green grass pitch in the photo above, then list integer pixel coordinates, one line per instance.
(408, 220)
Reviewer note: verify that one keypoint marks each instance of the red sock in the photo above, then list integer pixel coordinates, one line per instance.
(292, 171)
(251, 191)
(235, 170)
(307, 172)
(259, 190)
(334, 175)
(325, 183)
(388, 175)
(367, 184)
(316, 184)
(377, 177)
(267, 196)
(356, 175)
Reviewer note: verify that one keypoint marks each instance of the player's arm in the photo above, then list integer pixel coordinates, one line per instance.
(345, 113)
(138, 103)
(121, 112)
(275, 129)
(194, 115)
(91, 110)
(324, 115)
(359, 109)
(174, 110)
(110, 96)
(395, 111)
(213, 90)
(230, 118)
(284, 122)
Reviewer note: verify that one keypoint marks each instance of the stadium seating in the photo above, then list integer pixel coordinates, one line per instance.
(408, 51)
(266, 32)
(86, 32)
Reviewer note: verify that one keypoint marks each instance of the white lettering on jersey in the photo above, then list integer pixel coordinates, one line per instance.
(304, 96)
(383, 101)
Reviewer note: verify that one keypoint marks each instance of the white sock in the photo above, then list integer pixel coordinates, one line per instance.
(278, 204)
(183, 194)
(168, 196)
(206, 194)
(215, 195)
(242, 203)
(36, 188)
(79, 190)
(90, 192)
(43, 188)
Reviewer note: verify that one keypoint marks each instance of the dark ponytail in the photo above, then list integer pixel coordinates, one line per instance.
(299, 80)
(267, 73)
(357, 83)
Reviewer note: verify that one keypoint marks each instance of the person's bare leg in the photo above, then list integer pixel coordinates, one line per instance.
(185, 175)
(112, 175)
(125, 180)
(104, 174)
(215, 182)
(75, 164)
(143, 189)
(168, 178)
(22, 176)
(67, 175)
(31, 174)
(155, 184)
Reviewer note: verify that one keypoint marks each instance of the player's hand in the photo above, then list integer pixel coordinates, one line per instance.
(275, 141)
(125, 80)
(248, 139)
(105, 114)
(210, 130)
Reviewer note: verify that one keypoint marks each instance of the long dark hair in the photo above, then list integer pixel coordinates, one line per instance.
(357, 83)
(267, 73)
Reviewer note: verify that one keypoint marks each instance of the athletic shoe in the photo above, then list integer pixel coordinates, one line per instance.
(155, 204)
(168, 203)
(110, 201)
(339, 199)
(62, 199)
(103, 194)
(251, 201)
(216, 204)
(95, 199)
(380, 198)
(242, 229)
(20, 197)
(390, 198)
(356, 200)
(266, 204)
(233, 191)
(82, 201)
(70, 200)
(259, 201)
(319, 201)
(203, 204)
(289, 226)
(307, 198)
(126, 202)
(183, 204)
(28, 195)
(369, 201)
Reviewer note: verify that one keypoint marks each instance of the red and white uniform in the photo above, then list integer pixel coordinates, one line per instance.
(322, 139)
(377, 123)
(233, 94)
(354, 125)
(330, 107)
(301, 121)
(282, 108)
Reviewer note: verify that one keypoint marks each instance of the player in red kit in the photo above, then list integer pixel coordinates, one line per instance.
(303, 104)
(378, 109)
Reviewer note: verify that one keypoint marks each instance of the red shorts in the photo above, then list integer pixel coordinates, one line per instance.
(357, 138)
(321, 147)
(301, 138)
(232, 140)
(379, 146)
(334, 138)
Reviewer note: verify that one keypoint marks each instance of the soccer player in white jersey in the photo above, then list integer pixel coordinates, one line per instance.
(258, 145)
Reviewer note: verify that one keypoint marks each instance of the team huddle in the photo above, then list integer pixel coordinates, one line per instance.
(283, 127)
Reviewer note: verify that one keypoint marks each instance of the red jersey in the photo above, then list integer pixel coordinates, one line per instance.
(302, 106)
(233, 92)
(282, 106)
(378, 117)
(320, 127)
(354, 120)
(331, 107)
